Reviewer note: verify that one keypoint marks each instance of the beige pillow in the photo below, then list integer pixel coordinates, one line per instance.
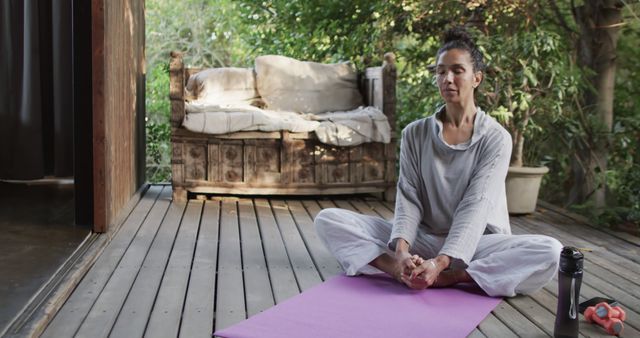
(222, 86)
(287, 84)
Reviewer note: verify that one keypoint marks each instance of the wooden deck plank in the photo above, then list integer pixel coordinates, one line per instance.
(476, 334)
(167, 310)
(258, 293)
(616, 264)
(70, 317)
(593, 278)
(303, 266)
(593, 235)
(358, 206)
(571, 216)
(381, 209)
(594, 272)
(283, 281)
(230, 303)
(197, 318)
(327, 265)
(324, 204)
(312, 207)
(491, 326)
(390, 205)
(342, 204)
(588, 230)
(516, 321)
(273, 252)
(135, 313)
(104, 312)
(550, 302)
(534, 312)
(573, 237)
(592, 269)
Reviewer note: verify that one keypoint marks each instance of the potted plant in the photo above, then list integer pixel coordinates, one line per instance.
(529, 77)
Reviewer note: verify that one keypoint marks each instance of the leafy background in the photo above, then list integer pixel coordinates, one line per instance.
(529, 49)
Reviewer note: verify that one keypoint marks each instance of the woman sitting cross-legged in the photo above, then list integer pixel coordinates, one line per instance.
(451, 223)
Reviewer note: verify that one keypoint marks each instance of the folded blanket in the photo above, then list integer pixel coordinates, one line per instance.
(225, 120)
(350, 128)
(345, 128)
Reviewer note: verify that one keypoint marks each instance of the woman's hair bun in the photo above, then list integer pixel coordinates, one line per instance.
(458, 34)
(459, 38)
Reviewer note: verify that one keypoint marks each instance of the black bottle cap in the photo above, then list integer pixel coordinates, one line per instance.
(571, 260)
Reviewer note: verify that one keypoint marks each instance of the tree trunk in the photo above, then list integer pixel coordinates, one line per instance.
(599, 22)
(518, 143)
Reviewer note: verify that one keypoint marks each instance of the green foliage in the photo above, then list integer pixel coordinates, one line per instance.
(531, 83)
(575, 128)
(158, 151)
(210, 34)
(157, 98)
(318, 30)
(623, 174)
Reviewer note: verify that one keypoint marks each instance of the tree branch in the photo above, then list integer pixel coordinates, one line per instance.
(562, 21)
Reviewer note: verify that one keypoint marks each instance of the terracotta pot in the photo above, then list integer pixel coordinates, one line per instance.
(523, 185)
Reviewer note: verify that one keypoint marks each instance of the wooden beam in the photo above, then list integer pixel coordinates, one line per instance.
(100, 188)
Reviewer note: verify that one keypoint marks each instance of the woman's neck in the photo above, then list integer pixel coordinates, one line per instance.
(459, 115)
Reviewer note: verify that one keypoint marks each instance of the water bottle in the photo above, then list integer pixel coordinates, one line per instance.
(569, 281)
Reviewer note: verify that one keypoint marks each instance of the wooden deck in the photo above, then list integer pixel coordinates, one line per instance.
(185, 269)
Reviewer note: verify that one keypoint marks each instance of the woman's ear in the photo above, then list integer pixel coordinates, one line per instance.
(477, 79)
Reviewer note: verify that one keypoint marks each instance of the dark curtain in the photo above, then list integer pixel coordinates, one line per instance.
(36, 95)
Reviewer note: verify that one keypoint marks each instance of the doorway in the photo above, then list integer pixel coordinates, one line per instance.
(46, 192)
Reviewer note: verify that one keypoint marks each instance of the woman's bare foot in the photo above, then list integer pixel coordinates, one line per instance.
(452, 277)
(396, 267)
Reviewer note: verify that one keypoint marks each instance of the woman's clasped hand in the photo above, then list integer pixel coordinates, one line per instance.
(417, 272)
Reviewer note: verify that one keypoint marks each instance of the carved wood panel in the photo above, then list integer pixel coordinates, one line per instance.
(195, 161)
(214, 163)
(355, 164)
(335, 165)
(177, 163)
(303, 162)
(232, 162)
(262, 161)
(373, 162)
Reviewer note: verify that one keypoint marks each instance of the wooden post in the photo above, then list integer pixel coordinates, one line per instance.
(176, 95)
(176, 89)
(389, 75)
(101, 170)
(389, 88)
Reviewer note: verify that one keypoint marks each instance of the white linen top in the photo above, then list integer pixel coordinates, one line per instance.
(457, 191)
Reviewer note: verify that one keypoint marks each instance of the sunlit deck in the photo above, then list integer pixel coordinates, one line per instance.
(176, 269)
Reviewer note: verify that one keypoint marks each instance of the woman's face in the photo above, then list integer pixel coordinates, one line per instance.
(455, 76)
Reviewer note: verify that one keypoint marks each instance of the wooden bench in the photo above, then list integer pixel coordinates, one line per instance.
(282, 162)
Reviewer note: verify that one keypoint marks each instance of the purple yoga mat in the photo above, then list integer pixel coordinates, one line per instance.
(369, 306)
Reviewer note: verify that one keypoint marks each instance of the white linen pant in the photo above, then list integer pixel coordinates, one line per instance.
(503, 265)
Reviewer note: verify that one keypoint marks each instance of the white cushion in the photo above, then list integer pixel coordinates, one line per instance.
(286, 84)
(216, 120)
(341, 128)
(227, 86)
(350, 128)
